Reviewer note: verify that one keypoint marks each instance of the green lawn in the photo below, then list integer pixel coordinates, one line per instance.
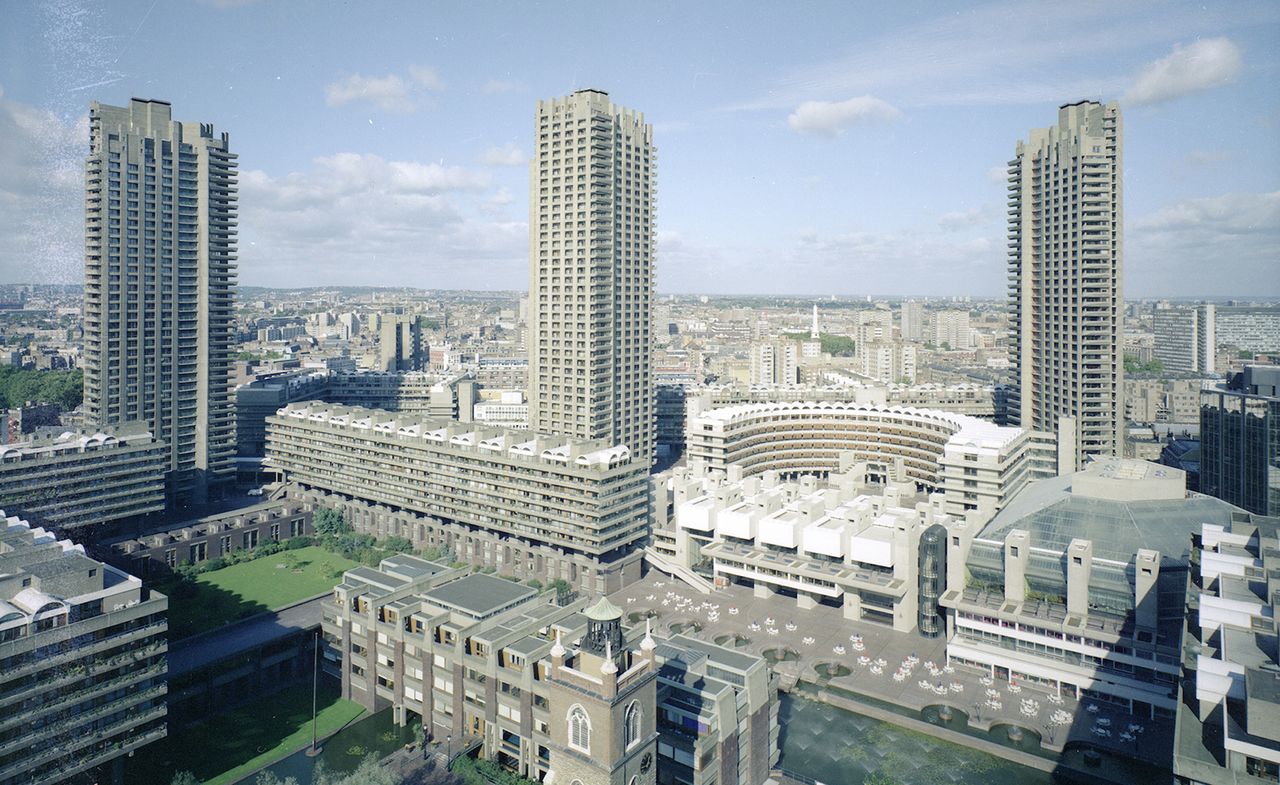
(245, 589)
(226, 747)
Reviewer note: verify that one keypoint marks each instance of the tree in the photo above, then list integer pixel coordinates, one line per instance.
(184, 778)
(367, 773)
(17, 386)
(397, 544)
(267, 778)
(328, 522)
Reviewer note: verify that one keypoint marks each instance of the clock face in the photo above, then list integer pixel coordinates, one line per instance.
(646, 762)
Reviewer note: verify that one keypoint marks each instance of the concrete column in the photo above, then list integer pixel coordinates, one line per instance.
(762, 591)
(805, 601)
(959, 538)
(1017, 552)
(1147, 564)
(1079, 567)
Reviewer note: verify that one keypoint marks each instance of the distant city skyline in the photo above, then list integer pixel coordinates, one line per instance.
(839, 152)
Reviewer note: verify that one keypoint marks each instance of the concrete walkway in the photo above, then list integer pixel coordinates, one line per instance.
(891, 666)
(207, 648)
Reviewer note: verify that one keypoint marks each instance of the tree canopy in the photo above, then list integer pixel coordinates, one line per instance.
(18, 385)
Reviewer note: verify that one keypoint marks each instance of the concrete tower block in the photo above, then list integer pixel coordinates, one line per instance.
(1017, 552)
(959, 538)
(1145, 599)
(1079, 567)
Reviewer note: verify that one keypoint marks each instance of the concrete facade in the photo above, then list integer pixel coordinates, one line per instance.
(212, 537)
(1066, 277)
(1229, 728)
(1185, 338)
(160, 250)
(84, 478)
(1078, 584)
(82, 659)
(514, 498)
(842, 542)
(591, 206)
(975, 463)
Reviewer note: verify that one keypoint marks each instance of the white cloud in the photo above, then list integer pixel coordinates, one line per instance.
(1234, 213)
(964, 56)
(426, 76)
(41, 194)
(1221, 245)
(390, 93)
(509, 154)
(962, 219)
(501, 86)
(1202, 65)
(832, 118)
(360, 219)
(998, 175)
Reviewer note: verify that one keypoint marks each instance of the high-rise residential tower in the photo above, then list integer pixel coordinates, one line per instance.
(911, 326)
(1185, 338)
(160, 249)
(400, 343)
(1066, 252)
(591, 204)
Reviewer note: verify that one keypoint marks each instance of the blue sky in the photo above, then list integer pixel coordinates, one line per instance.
(803, 148)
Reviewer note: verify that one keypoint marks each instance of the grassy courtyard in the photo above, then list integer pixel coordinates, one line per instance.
(230, 746)
(248, 588)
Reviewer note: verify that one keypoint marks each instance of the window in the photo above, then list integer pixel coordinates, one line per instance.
(631, 726)
(579, 729)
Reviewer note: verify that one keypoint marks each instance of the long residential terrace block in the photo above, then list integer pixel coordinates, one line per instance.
(579, 496)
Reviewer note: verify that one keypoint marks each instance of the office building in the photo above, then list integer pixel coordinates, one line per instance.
(1162, 401)
(400, 344)
(528, 505)
(84, 478)
(82, 659)
(1228, 725)
(1066, 277)
(160, 249)
(1240, 440)
(554, 693)
(508, 410)
(591, 205)
(1078, 584)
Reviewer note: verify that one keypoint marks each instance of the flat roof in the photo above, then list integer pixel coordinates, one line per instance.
(528, 645)
(413, 567)
(718, 654)
(479, 596)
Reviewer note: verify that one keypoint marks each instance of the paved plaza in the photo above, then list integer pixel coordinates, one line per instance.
(820, 646)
